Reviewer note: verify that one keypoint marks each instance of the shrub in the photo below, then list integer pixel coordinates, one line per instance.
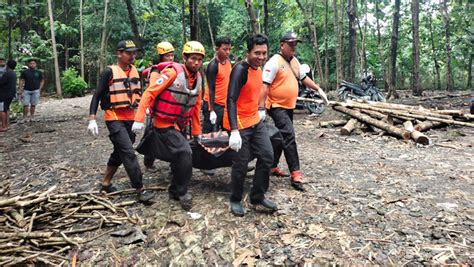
(72, 84)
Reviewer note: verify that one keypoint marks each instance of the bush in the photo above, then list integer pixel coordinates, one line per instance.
(72, 84)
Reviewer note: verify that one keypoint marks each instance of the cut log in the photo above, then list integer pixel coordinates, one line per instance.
(426, 125)
(417, 136)
(376, 107)
(332, 123)
(350, 126)
(406, 114)
(402, 133)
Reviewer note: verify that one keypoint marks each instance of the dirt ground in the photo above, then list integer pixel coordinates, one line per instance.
(369, 199)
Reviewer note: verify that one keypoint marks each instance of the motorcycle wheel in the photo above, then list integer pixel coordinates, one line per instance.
(344, 94)
(314, 108)
(378, 96)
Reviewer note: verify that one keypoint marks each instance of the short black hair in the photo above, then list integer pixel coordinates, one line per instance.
(257, 39)
(11, 64)
(31, 59)
(223, 40)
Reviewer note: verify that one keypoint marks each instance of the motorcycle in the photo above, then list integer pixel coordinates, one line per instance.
(367, 90)
(304, 92)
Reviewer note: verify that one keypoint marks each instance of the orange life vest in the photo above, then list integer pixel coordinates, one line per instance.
(124, 91)
(177, 102)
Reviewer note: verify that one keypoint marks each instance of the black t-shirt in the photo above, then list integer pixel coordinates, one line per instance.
(32, 79)
(8, 85)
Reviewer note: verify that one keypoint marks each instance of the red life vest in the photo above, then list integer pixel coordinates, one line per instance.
(125, 91)
(177, 102)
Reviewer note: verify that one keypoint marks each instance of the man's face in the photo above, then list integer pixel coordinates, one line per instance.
(257, 56)
(193, 62)
(288, 49)
(32, 65)
(127, 57)
(167, 57)
(2, 63)
(223, 51)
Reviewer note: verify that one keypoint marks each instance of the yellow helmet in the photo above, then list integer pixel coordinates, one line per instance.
(194, 47)
(164, 48)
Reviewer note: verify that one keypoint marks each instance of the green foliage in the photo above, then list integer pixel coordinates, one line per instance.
(72, 84)
(16, 107)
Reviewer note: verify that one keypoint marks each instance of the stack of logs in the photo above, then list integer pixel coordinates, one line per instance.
(40, 227)
(399, 120)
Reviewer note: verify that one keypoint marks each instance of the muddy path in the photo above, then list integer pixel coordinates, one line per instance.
(370, 198)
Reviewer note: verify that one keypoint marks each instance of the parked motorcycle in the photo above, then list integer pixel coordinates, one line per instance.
(366, 90)
(304, 92)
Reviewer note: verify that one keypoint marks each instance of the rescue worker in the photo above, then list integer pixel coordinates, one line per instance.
(119, 93)
(217, 76)
(165, 51)
(249, 135)
(281, 76)
(175, 97)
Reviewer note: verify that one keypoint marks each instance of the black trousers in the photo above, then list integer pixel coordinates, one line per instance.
(207, 126)
(181, 161)
(256, 141)
(122, 137)
(283, 119)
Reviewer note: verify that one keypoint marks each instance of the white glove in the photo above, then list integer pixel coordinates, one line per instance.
(235, 141)
(323, 96)
(262, 114)
(93, 129)
(137, 126)
(213, 117)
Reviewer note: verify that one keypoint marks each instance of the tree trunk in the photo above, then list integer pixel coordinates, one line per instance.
(10, 25)
(435, 57)
(183, 20)
(209, 25)
(55, 53)
(351, 13)
(416, 84)
(252, 16)
(314, 40)
(103, 39)
(363, 34)
(447, 47)
(66, 39)
(326, 49)
(194, 19)
(338, 37)
(81, 29)
(392, 70)
(133, 23)
(265, 16)
(380, 46)
(469, 73)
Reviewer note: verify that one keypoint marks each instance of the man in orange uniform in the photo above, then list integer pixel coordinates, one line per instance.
(174, 95)
(249, 135)
(281, 76)
(215, 95)
(119, 92)
(165, 51)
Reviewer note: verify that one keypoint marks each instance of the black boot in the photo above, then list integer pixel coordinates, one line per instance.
(237, 209)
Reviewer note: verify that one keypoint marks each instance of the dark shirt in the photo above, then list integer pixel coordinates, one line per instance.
(8, 85)
(32, 79)
(211, 73)
(100, 94)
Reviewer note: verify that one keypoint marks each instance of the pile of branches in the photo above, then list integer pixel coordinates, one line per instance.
(402, 121)
(40, 227)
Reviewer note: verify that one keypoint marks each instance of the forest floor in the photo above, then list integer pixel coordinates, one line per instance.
(369, 199)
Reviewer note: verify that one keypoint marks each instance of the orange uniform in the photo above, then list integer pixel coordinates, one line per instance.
(218, 76)
(244, 92)
(281, 76)
(158, 83)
